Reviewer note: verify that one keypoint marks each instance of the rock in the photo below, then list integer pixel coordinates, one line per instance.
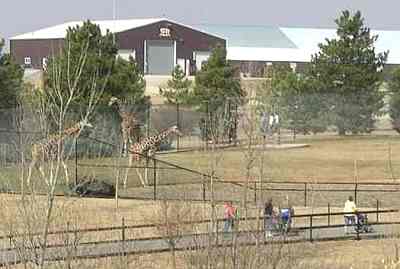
(93, 187)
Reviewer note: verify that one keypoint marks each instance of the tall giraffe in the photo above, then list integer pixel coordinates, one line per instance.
(48, 149)
(148, 147)
(130, 127)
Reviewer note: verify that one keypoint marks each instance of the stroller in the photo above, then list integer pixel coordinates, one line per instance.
(285, 220)
(362, 225)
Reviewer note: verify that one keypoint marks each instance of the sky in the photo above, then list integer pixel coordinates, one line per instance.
(20, 16)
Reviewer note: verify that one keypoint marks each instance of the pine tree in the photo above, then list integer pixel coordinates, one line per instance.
(127, 82)
(216, 82)
(83, 43)
(217, 89)
(11, 79)
(394, 102)
(177, 90)
(348, 72)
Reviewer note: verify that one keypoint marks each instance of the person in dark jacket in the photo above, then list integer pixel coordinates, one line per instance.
(268, 218)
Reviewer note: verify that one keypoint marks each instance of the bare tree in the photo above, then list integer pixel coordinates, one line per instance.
(54, 106)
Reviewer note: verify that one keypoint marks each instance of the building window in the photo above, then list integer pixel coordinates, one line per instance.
(27, 61)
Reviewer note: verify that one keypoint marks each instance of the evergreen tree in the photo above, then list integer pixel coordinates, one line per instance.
(216, 82)
(217, 90)
(294, 98)
(83, 44)
(348, 72)
(394, 102)
(11, 79)
(178, 88)
(127, 82)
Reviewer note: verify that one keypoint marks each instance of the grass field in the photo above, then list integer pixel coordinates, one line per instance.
(327, 159)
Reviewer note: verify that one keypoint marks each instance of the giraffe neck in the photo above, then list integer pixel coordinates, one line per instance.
(163, 135)
(152, 141)
(69, 132)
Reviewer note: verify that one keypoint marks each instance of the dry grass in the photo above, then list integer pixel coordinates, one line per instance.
(329, 158)
(366, 254)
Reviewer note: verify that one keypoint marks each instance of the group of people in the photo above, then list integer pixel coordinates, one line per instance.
(273, 220)
(282, 218)
(269, 122)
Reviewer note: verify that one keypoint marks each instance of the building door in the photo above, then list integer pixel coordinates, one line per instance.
(160, 57)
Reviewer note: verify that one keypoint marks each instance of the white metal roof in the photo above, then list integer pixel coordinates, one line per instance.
(264, 54)
(59, 31)
(306, 41)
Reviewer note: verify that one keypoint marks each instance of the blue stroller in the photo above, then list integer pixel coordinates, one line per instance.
(285, 220)
(362, 225)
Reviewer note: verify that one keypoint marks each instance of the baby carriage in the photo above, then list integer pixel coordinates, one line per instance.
(362, 225)
(285, 220)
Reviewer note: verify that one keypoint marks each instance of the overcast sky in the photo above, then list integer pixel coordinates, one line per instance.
(20, 16)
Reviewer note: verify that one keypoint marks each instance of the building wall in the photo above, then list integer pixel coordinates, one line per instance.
(187, 41)
(37, 49)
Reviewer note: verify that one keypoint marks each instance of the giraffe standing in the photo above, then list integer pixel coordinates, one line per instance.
(48, 149)
(148, 147)
(130, 127)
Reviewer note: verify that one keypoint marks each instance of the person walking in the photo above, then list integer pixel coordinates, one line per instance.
(229, 216)
(268, 218)
(349, 217)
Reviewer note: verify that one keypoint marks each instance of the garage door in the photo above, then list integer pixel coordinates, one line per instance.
(160, 57)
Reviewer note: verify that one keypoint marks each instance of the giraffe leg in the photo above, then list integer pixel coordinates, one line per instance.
(66, 172)
(40, 168)
(150, 154)
(31, 167)
(125, 143)
(130, 160)
(140, 177)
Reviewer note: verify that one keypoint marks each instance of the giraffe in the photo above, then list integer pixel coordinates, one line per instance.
(148, 147)
(47, 149)
(130, 127)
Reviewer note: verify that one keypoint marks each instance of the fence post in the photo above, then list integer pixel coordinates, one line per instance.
(178, 123)
(377, 210)
(76, 161)
(155, 179)
(311, 235)
(123, 230)
(204, 191)
(329, 214)
(305, 194)
(358, 233)
(355, 192)
(123, 236)
(217, 232)
(255, 192)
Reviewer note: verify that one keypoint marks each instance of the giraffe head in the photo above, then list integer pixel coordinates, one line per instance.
(113, 100)
(174, 129)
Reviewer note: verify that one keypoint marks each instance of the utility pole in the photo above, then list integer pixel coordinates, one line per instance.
(114, 17)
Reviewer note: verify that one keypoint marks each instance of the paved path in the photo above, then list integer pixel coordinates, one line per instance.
(104, 249)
